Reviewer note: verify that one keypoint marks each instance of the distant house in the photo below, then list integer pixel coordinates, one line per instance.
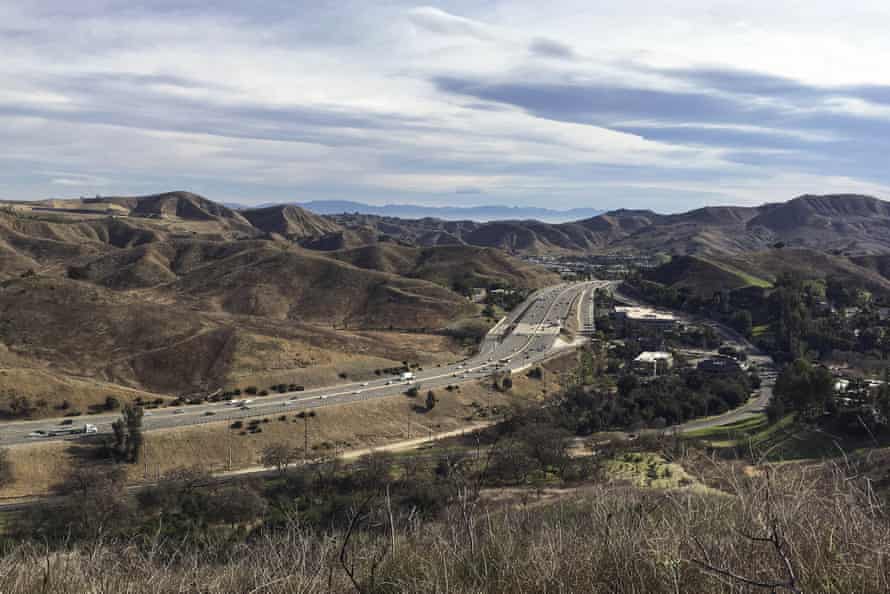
(653, 362)
(719, 365)
(644, 318)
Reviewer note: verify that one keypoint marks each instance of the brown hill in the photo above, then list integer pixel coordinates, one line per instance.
(449, 266)
(137, 305)
(182, 205)
(304, 286)
(290, 221)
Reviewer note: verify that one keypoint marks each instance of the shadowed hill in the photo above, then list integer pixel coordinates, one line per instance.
(700, 277)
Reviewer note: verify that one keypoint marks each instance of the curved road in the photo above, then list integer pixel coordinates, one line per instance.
(526, 336)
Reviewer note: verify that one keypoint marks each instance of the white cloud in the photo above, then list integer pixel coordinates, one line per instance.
(321, 99)
(434, 20)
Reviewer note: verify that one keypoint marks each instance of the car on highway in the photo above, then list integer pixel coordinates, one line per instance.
(178, 411)
(364, 384)
(38, 433)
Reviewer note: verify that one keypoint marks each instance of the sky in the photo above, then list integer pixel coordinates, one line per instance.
(637, 104)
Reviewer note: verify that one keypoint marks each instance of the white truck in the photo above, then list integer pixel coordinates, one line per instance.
(62, 431)
(407, 376)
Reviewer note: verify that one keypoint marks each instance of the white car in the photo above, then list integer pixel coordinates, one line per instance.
(364, 384)
(38, 433)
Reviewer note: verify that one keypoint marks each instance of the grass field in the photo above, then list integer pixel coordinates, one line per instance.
(761, 330)
(748, 279)
(783, 440)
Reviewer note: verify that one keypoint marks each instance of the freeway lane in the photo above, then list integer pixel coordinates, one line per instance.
(526, 336)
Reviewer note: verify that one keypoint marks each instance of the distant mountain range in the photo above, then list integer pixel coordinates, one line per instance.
(848, 224)
(448, 213)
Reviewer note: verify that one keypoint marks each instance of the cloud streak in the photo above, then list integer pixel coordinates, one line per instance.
(458, 102)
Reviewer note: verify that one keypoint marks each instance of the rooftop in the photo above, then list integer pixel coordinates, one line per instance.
(645, 313)
(653, 356)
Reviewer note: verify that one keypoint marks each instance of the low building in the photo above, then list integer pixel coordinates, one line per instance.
(641, 318)
(653, 362)
(719, 365)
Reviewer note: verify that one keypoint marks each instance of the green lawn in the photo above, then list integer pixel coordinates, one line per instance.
(755, 433)
(748, 279)
(761, 330)
(783, 440)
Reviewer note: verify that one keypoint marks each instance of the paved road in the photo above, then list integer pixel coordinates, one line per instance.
(526, 336)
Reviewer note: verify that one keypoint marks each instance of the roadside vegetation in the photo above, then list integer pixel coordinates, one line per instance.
(509, 510)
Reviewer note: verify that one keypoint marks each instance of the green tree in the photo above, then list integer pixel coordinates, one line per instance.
(127, 432)
(627, 383)
(741, 322)
(804, 388)
(7, 476)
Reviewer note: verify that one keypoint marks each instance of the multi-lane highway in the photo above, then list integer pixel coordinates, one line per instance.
(526, 336)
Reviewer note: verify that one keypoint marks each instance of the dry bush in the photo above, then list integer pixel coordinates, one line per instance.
(832, 532)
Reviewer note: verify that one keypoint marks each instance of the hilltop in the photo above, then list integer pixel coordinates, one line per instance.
(290, 221)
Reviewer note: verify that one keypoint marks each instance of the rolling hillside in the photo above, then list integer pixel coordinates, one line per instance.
(182, 295)
(446, 265)
(701, 277)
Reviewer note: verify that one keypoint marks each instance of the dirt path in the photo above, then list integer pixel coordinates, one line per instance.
(396, 446)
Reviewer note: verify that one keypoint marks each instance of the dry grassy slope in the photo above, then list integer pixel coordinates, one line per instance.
(445, 265)
(305, 286)
(144, 303)
(290, 221)
(76, 330)
(158, 263)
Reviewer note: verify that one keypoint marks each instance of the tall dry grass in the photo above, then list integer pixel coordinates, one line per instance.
(819, 530)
